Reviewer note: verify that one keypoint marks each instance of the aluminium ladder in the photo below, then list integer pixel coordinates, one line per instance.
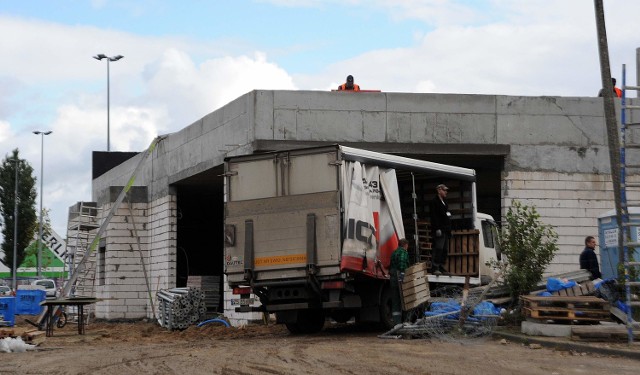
(631, 265)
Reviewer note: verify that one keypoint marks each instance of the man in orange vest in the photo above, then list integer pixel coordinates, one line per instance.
(617, 93)
(349, 85)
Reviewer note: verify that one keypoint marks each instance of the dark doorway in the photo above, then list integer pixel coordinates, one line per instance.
(200, 249)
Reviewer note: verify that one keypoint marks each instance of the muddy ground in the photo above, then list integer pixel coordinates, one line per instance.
(145, 348)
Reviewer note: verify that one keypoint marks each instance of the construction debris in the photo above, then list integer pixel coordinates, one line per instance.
(178, 308)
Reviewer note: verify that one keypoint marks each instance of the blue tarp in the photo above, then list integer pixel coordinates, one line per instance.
(479, 311)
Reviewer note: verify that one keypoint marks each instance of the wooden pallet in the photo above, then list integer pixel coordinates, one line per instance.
(415, 287)
(584, 289)
(583, 308)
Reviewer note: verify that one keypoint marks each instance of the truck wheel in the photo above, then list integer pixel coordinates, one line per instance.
(309, 321)
(293, 328)
(386, 317)
(342, 316)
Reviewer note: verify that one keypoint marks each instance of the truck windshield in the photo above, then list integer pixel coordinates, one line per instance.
(489, 236)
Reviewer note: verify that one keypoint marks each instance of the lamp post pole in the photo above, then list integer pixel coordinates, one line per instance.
(41, 134)
(109, 58)
(15, 230)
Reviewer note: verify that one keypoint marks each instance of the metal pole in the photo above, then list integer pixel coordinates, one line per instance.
(41, 185)
(15, 230)
(108, 108)
(638, 70)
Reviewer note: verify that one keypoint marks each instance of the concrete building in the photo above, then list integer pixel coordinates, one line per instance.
(550, 152)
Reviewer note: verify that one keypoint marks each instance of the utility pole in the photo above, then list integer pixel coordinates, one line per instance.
(610, 122)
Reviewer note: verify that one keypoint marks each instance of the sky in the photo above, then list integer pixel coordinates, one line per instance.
(184, 59)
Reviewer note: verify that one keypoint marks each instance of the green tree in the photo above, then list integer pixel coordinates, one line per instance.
(26, 206)
(529, 247)
(31, 252)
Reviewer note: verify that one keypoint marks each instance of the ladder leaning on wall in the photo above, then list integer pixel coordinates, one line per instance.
(82, 225)
(631, 262)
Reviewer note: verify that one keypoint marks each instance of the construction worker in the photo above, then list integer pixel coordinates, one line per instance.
(440, 230)
(617, 93)
(349, 85)
(399, 263)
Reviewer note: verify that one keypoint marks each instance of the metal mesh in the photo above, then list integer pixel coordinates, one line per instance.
(451, 323)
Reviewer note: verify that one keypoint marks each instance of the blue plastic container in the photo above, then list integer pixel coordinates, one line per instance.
(28, 301)
(8, 310)
(608, 233)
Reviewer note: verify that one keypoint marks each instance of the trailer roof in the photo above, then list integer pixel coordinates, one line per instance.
(375, 158)
(408, 164)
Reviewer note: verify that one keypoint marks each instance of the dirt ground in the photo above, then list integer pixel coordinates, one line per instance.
(146, 348)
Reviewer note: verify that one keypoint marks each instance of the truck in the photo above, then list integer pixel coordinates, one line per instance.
(309, 232)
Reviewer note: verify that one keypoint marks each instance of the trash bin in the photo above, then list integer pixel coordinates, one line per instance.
(28, 301)
(8, 310)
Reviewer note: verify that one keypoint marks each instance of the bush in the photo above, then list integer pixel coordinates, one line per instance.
(528, 245)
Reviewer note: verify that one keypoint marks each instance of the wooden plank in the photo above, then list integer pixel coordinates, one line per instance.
(417, 296)
(407, 290)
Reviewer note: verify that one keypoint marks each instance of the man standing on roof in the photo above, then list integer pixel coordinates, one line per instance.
(617, 93)
(349, 85)
(440, 230)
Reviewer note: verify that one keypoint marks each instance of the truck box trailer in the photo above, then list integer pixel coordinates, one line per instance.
(310, 232)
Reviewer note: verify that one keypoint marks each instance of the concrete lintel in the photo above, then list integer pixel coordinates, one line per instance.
(399, 148)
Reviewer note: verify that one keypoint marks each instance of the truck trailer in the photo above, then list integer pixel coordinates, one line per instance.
(310, 232)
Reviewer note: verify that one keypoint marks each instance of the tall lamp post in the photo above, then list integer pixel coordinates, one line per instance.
(109, 58)
(41, 134)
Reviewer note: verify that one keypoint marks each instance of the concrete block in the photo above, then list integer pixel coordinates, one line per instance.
(545, 329)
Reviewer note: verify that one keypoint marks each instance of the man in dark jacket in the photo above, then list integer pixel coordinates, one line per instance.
(440, 230)
(399, 263)
(588, 258)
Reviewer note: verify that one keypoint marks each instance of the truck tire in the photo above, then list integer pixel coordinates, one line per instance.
(386, 317)
(342, 316)
(309, 321)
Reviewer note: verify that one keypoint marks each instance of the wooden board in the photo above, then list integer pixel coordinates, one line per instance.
(415, 287)
(602, 333)
(584, 289)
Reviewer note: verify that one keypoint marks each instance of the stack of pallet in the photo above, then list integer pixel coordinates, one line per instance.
(415, 287)
(210, 285)
(565, 308)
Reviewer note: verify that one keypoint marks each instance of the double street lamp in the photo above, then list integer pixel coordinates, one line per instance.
(41, 134)
(109, 58)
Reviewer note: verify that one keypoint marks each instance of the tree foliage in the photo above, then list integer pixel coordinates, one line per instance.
(529, 246)
(26, 206)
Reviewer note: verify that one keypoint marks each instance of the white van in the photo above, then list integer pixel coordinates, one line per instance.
(49, 286)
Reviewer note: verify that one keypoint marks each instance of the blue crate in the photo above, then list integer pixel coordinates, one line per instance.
(8, 310)
(28, 301)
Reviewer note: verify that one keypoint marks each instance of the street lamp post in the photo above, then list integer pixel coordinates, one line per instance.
(109, 58)
(15, 230)
(42, 134)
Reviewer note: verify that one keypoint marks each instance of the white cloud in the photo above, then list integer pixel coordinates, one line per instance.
(5, 131)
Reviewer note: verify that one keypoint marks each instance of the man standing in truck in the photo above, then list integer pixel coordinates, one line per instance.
(399, 263)
(440, 230)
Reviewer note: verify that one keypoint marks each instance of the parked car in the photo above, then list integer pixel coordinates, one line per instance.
(5, 290)
(49, 286)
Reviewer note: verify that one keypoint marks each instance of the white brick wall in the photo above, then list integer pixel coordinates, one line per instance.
(569, 202)
(125, 291)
